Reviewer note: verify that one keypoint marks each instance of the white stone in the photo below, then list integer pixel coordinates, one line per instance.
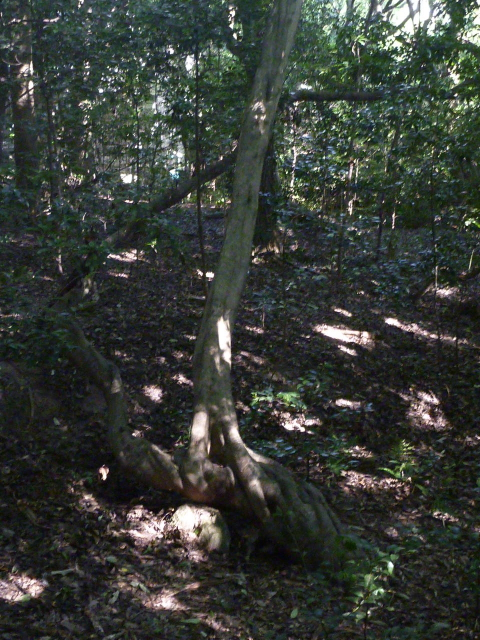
(202, 527)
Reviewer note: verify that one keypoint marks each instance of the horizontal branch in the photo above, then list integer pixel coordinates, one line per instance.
(158, 205)
(327, 95)
(373, 95)
(186, 186)
(174, 196)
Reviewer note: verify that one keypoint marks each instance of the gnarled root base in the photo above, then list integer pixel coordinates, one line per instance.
(302, 524)
(293, 515)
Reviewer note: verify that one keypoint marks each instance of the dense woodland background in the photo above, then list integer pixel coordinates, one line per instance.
(356, 351)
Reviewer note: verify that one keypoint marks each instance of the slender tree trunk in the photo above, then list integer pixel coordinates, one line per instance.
(215, 421)
(265, 236)
(23, 105)
(294, 516)
(386, 199)
(4, 92)
(198, 199)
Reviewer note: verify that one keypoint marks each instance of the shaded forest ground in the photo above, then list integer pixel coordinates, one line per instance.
(349, 382)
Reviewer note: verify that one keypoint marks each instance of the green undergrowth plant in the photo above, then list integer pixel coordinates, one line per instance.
(308, 390)
(367, 592)
(268, 398)
(403, 465)
(402, 462)
(370, 589)
(304, 444)
(335, 453)
(164, 238)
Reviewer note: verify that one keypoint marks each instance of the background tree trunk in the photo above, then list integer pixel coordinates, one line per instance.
(23, 105)
(266, 236)
(4, 92)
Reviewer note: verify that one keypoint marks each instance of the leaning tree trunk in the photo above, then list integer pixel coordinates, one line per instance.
(294, 516)
(218, 468)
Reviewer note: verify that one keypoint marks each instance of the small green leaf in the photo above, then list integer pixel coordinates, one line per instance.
(114, 597)
(368, 579)
(26, 598)
(294, 613)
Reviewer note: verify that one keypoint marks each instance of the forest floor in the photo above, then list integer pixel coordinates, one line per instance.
(370, 392)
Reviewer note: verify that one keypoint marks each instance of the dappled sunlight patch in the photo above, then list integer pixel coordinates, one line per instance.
(121, 354)
(291, 422)
(125, 256)
(349, 336)
(445, 517)
(179, 355)
(89, 503)
(258, 360)
(472, 441)
(224, 343)
(447, 292)
(354, 405)
(417, 330)
(360, 453)
(153, 392)
(143, 526)
(167, 601)
(21, 587)
(392, 533)
(191, 600)
(257, 330)
(425, 411)
(343, 312)
(348, 350)
(360, 457)
(208, 275)
(118, 274)
(298, 422)
(182, 380)
(354, 480)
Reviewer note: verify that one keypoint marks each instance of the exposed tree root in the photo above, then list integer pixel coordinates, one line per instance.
(293, 515)
(302, 523)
